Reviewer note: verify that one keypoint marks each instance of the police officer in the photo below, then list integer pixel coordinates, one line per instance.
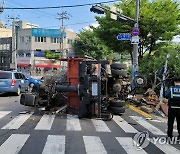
(173, 96)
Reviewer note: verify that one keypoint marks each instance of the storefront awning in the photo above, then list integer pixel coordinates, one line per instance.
(47, 65)
(24, 65)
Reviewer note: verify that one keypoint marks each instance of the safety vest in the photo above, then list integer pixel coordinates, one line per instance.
(175, 93)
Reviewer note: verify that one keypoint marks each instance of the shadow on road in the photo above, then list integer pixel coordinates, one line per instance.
(8, 95)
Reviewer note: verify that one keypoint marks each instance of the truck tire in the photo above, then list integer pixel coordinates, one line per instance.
(118, 66)
(117, 103)
(140, 81)
(119, 72)
(117, 110)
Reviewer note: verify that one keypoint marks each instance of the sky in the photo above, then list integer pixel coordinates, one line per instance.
(79, 17)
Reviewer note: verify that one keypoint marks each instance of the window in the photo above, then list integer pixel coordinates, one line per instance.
(17, 76)
(69, 41)
(55, 40)
(8, 46)
(5, 75)
(21, 38)
(28, 38)
(40, 39)
(4, 46)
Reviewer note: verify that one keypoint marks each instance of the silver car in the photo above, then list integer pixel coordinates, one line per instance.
(14, 82)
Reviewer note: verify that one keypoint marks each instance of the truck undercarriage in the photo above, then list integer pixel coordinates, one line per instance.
(89, 88)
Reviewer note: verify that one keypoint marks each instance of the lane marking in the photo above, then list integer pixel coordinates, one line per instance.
(124, 125)
(100, 125)
(45, 123)
(17, 122)
(128, 146)
(55, 144)
(4, 113)
(14, 143)
(73, 123)
(93, 145)
(139, 111)
(147, 125)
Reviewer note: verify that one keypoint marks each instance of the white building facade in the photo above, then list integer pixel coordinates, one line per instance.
(33, 42)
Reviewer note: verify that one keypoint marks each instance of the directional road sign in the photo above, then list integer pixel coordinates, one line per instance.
(124, 37)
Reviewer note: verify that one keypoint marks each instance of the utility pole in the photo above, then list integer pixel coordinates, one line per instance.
(135, 46)
(62, 16)
(2, 7)
(14, 42)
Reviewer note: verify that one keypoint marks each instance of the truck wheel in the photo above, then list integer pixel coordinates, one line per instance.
(117, 110)
(118, 66)
(119, 72)
(117, 103)
(140, 81)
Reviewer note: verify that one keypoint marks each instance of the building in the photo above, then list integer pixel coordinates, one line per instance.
(5, 47)
(32, 42)
(4, 32)
(5, 53)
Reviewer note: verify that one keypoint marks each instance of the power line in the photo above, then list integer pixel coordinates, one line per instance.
(35, 11)
(56, 7)
(71, 24)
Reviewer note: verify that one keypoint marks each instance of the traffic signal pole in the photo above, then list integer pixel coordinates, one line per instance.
(135, 46)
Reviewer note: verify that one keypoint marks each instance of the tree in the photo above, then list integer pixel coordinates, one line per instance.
(151, 64)
(51, 54)
(158, 22)
(88, 44)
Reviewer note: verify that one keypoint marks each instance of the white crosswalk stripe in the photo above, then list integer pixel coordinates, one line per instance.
(100, 125)
(45, 123)
(4, 113)
(73, 123)
(93, 145)
(55, 144)
(17, 122)
(14, 144)
(166, 147)
(147, 125)
(124, 125)
(128, 146)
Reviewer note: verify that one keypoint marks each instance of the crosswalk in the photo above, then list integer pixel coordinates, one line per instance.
(92, 143)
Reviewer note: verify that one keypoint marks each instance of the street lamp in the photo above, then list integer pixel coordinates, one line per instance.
(100, 10)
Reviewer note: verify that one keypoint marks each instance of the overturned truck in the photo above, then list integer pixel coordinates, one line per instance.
(89, 88)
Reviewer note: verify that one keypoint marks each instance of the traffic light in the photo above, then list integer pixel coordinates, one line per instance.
(97, 9)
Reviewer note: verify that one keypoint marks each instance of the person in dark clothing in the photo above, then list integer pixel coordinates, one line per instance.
(173, 96)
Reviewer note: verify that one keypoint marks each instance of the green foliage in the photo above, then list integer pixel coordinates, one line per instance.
(152, 63)
(51, 55)
(158, 20)
(88, 44)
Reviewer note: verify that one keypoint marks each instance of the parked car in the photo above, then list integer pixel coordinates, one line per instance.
(32, 81)
(11, 81)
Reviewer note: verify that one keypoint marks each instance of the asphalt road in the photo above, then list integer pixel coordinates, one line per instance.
(37, 132)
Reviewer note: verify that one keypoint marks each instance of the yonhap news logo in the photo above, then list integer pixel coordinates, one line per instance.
(141, 140)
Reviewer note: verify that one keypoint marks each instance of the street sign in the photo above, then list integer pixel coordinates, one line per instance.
(124, 37)
(135, 40)
(135, 32)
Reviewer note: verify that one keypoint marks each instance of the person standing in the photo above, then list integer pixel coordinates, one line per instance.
(173, 96)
